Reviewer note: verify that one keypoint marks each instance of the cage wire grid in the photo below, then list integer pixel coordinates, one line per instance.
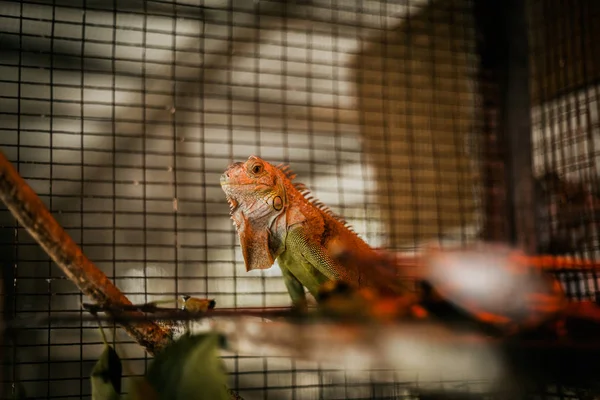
(564, 91)
(122, 116)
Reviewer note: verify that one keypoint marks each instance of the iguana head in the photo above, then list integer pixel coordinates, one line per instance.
(256, 186)
(256, 193)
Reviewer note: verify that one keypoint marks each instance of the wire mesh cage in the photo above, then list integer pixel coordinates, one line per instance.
(122, 116)
(564, 130)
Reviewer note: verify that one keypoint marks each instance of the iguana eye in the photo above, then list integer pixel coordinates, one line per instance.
(257, 168)
(277, 203)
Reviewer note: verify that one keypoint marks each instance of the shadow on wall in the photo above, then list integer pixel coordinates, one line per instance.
(416, 91)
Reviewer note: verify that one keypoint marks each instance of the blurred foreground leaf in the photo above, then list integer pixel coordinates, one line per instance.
(106, 375)
(190, 368)
(140, 389)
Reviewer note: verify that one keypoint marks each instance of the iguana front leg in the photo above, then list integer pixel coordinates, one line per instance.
(294, 288)
(298, 242)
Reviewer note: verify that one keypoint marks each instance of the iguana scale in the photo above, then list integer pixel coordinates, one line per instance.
(277, 219)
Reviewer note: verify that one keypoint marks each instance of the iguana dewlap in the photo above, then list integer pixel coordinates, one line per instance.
(277, 219)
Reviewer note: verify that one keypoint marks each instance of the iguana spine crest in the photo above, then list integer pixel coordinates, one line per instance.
(308, 196)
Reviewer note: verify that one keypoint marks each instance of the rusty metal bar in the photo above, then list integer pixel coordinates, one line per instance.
(504, 87)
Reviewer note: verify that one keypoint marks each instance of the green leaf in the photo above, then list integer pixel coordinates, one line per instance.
(190, 368)
(140, 389)
(106, 375)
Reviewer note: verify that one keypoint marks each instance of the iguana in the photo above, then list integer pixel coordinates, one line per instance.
(277, 219)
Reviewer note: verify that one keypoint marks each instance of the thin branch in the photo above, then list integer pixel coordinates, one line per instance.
(164, 317)
(30, 211)
(587, 312)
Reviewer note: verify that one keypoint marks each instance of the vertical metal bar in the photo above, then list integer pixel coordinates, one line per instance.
(8, 247)
(504, 51)
(516, 125)
(491, 50)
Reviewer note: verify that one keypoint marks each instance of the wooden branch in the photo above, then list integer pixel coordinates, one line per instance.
(30, 211)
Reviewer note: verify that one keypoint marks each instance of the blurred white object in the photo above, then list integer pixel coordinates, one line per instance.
(487, 281)
(427, 352)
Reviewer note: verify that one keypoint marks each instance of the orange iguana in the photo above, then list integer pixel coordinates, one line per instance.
(277, 219)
